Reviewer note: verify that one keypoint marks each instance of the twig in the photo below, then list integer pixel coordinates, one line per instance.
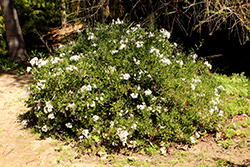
(43, 41)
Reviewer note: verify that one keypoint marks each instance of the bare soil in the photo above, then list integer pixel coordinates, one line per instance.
(19, 147)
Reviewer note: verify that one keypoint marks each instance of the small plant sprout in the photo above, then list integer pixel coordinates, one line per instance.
(208, 65)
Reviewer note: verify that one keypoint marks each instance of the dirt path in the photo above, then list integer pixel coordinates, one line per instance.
(18, 147)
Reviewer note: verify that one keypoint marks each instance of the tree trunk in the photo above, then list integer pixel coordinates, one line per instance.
(63, 11)
(16, 45)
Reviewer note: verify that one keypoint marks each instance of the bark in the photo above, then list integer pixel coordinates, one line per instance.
(63, 11)
(16, 45)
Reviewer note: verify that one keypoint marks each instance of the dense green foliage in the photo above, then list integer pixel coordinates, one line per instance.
(33, 15)
(184, 16)
(3, 46)
(38, 14)
(123, 86)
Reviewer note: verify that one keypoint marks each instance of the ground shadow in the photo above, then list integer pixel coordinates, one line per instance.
(222, 50)
(226, 54)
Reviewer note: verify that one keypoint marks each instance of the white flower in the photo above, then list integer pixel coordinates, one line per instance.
(140, 72)
(117, 22)
(132, 144)
(85, 133)
(71, 68)
(216, 101)
(152, 49)
(41, 84)
(71, 106)
(165, 33)
(200, 95)
(197, 135)
(196, 79)
(44, 128)
(111, 69)
(193, 86)
(34, 61)
(139, 44)
(120, 113)
(134, 126)
(221, 88)
(192, 140)
(148, 92)
(60, 46)
(141, 106)
(151, 35)
(137, 62)
(154, 98)
(51, 116)
(62, 54)
(162, 127)
(95, 118)
(48, 108)
(55, 60)
(126, 76)
(24, 122)
(112, 123)
(122, 46)
(84, 87)
(211, 111)
(28, 69)
(220, 113)
(114, 51)
(88, 88)
(123, 134)
(166, 61)
(133, 29)
(93, 104)
(134, 95)
(42, 62)
(207, 64)
(180, 62)
(74, 58)
(194, 56)
(68, 125)
(94, 45)
(91, 36)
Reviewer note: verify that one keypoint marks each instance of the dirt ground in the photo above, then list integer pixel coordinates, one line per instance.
(19, 147)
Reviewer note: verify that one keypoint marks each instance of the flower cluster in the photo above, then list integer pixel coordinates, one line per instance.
(120, 86)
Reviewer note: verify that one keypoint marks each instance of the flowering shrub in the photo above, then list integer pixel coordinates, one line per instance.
(123, 86)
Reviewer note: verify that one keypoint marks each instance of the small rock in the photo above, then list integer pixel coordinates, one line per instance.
(182, 147)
